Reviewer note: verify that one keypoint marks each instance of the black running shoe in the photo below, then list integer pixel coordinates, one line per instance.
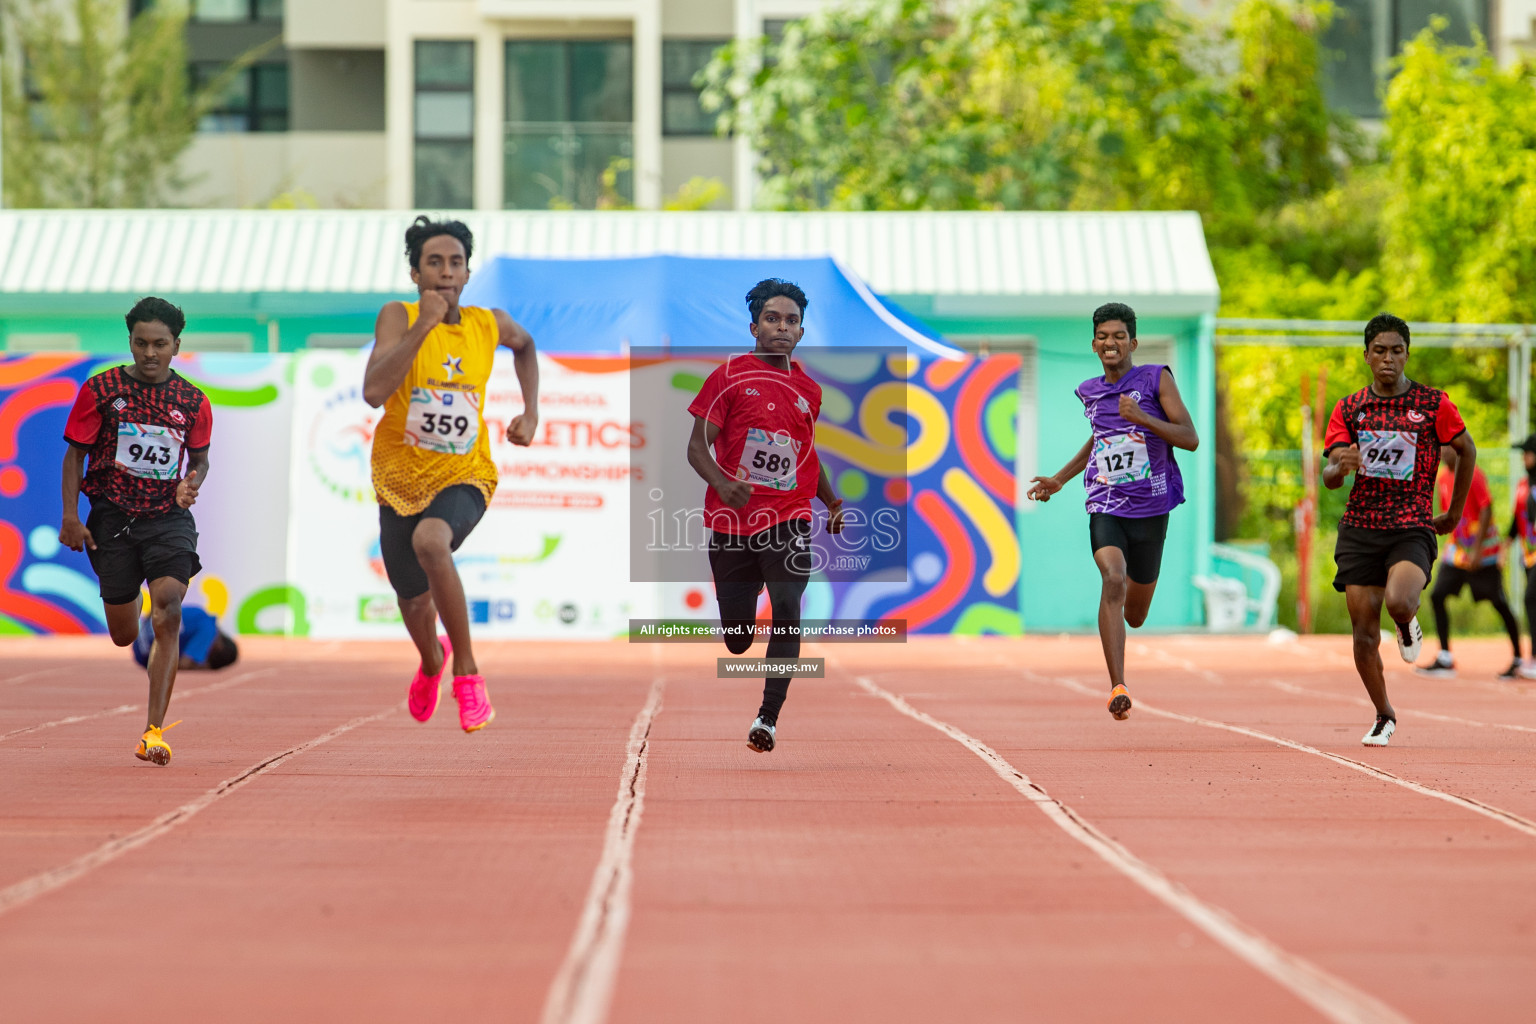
(1514, 670)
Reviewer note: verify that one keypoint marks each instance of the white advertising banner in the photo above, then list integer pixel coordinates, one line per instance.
(550, 559)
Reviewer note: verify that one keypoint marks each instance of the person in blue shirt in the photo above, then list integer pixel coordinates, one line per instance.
(203, 644)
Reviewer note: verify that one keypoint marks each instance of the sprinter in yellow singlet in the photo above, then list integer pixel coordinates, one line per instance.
(432, 465)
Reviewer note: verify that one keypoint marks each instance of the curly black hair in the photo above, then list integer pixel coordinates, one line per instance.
(424, 228)
(761, 292)
(1386, 323)
(1115, 311)
(149, 309)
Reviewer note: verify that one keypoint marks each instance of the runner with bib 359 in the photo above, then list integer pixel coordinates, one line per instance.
(1389, 435)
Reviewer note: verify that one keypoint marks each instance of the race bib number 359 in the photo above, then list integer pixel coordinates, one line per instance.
(443, 421)
(768, 460)
(148, 451)
(1121, 459)
(1389, 454)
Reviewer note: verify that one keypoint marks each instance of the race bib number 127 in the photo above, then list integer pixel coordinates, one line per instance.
(1388, 454)
(1121, 459)
(442, 420)
(149, 451)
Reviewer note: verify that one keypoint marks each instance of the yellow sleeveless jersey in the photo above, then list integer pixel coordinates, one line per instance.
(432, 435)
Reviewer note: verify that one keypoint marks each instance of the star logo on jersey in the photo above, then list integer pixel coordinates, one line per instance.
(803, 405)
(451, 366)
(177, 416)
(1415, 416)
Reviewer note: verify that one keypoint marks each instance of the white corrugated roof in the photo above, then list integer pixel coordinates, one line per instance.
(1007, 256)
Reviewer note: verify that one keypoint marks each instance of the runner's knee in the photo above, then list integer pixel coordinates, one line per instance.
(165, 616)
(1115, 585)
(123, 636)
(1134, 617)
(738, 635)
(1402, 608)
(432, 541)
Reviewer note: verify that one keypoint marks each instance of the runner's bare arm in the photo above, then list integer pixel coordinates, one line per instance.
(197, 472)
(1178, 429)
(72, 533)
(735, 493)
(1045, 486)
(1466, 463)
(830, 499)
(525, 360)
(395, 345)
(1342, 461)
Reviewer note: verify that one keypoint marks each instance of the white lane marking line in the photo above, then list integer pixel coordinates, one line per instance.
(1515, 687)
(1216, 677)
(583, 987)
(29, 889)
(123, 709)
(33, 675)
(1333, 997)
(1499, 815)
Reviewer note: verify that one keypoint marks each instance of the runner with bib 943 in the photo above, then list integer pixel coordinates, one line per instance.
(1389, 434)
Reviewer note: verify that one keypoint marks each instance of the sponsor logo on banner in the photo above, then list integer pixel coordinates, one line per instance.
(484, 610)
(378, 608)
(341, 443)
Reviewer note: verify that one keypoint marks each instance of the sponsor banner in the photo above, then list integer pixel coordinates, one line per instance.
(550, 557)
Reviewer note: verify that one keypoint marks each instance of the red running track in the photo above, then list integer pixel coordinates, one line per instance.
(952, 829)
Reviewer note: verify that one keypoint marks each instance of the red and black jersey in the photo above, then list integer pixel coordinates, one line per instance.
(767, 421)
(1399, 439)
(136, 436)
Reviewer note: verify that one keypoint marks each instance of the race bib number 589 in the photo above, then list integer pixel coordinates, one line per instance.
(442, 420)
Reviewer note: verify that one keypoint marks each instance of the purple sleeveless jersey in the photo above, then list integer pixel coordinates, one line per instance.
(1131, 472)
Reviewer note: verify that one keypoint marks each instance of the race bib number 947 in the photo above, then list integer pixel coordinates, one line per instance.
(443, 421)
(150, 452)
(1389, 454)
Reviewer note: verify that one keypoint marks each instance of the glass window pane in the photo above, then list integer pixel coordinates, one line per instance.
(445, 175)
(269, 10)
(537, 82)
(234, 94)
(535, 168)
(682, 115)
(1462, 17)
(595, 151)
(221, 10)
(217, 122)
(602, 81)
(1350, 59)
(272, 88)
(681, 59)
(445, 64)
(445, 115)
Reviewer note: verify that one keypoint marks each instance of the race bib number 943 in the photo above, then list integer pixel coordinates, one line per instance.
(1389, 454)
(150, 452)
(1121, 459)
(768, 460)
(443, 421)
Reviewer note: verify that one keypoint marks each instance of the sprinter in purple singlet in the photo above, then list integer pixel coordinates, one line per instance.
(1137, 419)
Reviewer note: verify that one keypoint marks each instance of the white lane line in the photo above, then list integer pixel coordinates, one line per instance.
(1281, 684)
(1499, 815)
(33, 675)
(1515, 687)
(123, 709)
(1333, 997)
(583, 987)
(29, 889)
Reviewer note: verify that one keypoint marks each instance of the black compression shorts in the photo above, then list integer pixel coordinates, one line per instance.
(460, 506)
(1140, 539)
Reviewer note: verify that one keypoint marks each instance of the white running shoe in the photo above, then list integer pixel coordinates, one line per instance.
(1410, 640)
(1443, 667)
(1528, 669)
(1380, 733)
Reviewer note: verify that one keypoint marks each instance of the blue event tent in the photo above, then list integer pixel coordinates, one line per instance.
(616, 304)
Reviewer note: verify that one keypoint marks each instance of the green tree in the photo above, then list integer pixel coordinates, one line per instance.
(97, 109)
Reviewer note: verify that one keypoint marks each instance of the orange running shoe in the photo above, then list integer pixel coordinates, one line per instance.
(1120, 703)
(152, 745)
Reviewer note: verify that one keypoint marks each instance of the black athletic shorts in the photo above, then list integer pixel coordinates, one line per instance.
(131, 550)
(1364, 556)
(1140, 539)
(1487, 581)
(460, 506)
(779, 554)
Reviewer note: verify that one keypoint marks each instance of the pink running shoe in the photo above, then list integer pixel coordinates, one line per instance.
(422, 701)
(475, 711)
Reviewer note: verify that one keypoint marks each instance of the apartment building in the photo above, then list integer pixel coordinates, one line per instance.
(525, 104)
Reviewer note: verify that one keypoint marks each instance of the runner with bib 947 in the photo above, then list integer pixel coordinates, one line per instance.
(1137, 419)
(1389, 435)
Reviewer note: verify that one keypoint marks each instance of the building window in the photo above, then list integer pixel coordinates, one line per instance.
(445, 124)
(229, 10)
(1366, 34)
(681, 60)
(570, 123)
(254, 100)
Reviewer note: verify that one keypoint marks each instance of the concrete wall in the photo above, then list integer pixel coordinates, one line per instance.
(337, 90)
(336, 169)
(685, 158)
(334, 24)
